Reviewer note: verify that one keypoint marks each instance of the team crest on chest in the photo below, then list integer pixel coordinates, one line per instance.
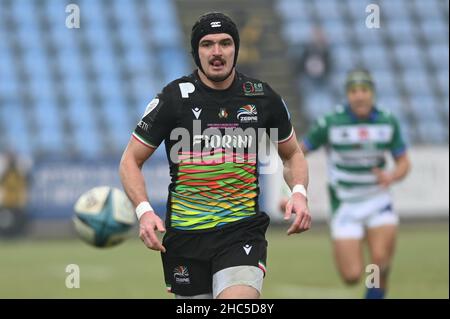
(252, 89)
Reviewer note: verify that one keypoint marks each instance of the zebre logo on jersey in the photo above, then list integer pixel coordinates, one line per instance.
(247, 114)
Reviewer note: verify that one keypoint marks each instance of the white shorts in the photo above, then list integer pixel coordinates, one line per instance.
(351, 218)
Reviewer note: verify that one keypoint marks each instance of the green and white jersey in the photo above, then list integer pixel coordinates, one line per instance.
(354, 147)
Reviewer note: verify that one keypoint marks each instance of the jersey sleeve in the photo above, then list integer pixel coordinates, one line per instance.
(317, 135)
(398, 145)
(157, 122)
(278, 119)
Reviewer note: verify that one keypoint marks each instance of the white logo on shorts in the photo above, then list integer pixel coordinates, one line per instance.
(247, 249)
(181, 275)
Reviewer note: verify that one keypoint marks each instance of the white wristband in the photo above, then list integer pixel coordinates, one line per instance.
(142, 208)
(299, 188)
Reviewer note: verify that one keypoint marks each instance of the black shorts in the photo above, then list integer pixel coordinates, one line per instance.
(193, 257)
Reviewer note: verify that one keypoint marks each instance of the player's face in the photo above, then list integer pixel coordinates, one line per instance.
(216, 52)
(360, 99)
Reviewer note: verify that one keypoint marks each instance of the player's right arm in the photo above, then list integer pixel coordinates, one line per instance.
(133, 183)
(155, 125)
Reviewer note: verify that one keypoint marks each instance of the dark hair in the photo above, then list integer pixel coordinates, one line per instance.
(210, 23)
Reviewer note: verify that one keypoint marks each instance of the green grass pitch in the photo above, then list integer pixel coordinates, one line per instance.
(299, 266)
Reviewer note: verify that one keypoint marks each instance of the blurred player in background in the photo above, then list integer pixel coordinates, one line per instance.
(14, 185)
(215, 242)
(357, 137)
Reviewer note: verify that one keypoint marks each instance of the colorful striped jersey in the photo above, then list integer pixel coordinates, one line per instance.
(211, 138)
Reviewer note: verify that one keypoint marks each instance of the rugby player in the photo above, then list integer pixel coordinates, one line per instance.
(357, 137)
(214, 244)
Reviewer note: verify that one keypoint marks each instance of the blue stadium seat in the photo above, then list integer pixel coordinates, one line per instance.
(130, 36)
(164, 32)
(137, 58)
(394, 9)
(401, 30)
(66, 39)
(298, 32)
(11, 86)
(125, 12)
(435, 30)
(409, 56)
(36, 62)
(318, 103)
(104, 62)
(438, 54)
(328, 9)
(358, 10)
(49, 122)
(392, 103)
(417, 82)
(344, 58)
(442, 78)
(428, 10)
(432, 133)
(7, 68)
(335, 31)
(98, 38)
(82, 113)
(385, 82)
(172, 62)
(368, 36)
(88, 142)
(446, 109)
(425, 108)
(376, 56)
(16, 128)
(294, 10)
(121, 125)
(165, 12)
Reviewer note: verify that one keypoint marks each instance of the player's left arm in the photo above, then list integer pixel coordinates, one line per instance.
(402, 168)
(400, 155)
(295, 172)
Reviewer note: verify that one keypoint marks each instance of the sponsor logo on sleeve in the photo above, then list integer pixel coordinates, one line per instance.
(151, 106)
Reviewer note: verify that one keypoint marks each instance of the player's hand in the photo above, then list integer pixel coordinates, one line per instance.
(384, 179)
(148, 223)
(298, 205)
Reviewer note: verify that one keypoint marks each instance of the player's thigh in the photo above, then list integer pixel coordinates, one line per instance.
(239, 292)
(239, 266)
(348, 257)
(382, 240)
(241, 281)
